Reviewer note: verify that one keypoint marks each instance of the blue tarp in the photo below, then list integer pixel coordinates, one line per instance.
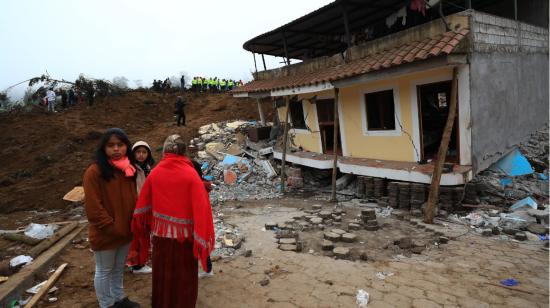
(513, 164)
(229, 160)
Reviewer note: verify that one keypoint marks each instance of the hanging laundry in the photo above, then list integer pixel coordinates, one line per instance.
(392, 19)
(419, 6)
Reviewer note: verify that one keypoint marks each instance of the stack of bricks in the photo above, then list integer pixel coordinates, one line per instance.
(360, 188)
(404, 196)
(418, 195)
(470, 196)
(295, 178)
(379, 188)
(446, 198)
(369, 218)
(393, 191)
(369, 187)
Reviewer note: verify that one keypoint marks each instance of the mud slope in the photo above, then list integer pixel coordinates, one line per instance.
(44, 155)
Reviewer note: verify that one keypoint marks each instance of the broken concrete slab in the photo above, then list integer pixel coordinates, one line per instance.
(325, 214)
(354, 226)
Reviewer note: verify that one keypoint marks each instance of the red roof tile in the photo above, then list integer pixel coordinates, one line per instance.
(443, 44)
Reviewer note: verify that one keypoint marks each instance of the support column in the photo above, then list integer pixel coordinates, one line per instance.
(335, 147)
(433, 197)
(285, 141)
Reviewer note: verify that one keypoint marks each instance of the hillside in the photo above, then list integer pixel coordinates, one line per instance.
(44, 155)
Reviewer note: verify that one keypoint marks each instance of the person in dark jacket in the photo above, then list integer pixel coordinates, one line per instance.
(180, 112)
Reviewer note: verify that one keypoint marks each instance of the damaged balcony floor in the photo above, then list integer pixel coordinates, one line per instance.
(389, 169)
(463, 273)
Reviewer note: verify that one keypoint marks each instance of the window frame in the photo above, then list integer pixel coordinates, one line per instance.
(291, 119)
(397, 110)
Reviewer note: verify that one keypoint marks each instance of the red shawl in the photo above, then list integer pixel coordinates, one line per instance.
(173, 203)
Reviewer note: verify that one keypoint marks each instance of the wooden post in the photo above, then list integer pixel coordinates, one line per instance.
(255, 66)
(346, 25)
(285, 138)
(443, 147)
(286, 49)
(47, 286)
(261, 111)
(263, 60)
(335, 147)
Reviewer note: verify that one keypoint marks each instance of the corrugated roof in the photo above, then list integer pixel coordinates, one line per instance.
(443, 44)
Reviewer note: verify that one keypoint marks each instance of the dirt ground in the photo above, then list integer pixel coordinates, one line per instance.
(45, 155)
(463, 273)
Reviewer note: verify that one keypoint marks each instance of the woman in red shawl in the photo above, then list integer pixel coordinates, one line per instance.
(174, 206)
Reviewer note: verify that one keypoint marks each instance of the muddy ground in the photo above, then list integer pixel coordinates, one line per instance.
(463, 273)
(45, 155)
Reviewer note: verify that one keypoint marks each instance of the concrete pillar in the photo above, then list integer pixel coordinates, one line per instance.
(261, 111)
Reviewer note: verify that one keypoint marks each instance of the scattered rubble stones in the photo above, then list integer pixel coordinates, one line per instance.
(354, 226)
(486, 232)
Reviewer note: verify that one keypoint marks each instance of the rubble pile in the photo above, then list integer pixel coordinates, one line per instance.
(238, 168)
(229, 238)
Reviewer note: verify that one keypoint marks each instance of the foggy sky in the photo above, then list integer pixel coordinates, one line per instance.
(137, 39)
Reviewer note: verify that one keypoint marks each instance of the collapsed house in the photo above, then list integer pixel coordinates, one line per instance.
(379, 75)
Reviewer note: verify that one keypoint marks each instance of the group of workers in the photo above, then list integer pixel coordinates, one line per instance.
(213, 85)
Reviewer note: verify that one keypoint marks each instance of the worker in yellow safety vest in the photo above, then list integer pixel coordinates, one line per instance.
(204, 84)
(222, 85)
(230, 84)
(194, 84)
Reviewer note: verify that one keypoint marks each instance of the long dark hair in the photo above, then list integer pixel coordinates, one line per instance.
(106, 169)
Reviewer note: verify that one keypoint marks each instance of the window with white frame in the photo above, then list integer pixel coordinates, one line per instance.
(380, 110)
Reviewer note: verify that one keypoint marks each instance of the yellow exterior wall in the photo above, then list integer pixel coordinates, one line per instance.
(308, 140)
(356, 143)
(399, 148)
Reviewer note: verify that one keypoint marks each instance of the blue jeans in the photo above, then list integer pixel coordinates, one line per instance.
(109, 274)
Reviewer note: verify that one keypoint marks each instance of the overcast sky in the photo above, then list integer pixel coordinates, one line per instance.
(137, 39)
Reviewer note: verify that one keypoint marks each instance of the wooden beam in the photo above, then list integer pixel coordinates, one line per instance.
(335, 147)
(285, 48)
(443, 147)
(255, 66)
(47, 243)
(263, 60)
(46, 287)
(285, 138)
(346, 25)
(19, 282)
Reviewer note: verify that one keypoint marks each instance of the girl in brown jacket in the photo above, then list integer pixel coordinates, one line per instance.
(110, 198)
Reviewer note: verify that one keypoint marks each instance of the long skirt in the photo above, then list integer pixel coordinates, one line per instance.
(139, 251)
(175, 274)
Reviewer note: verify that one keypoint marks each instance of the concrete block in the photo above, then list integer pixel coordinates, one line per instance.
(287, 247)
(333, 237)
(349, 238)
(341, 252)
(288, 241)
(338, 231)
(327, 245)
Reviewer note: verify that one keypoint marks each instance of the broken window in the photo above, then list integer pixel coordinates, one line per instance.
(380, 108)
(297, 115)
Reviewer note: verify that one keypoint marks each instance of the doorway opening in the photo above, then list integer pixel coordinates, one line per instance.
(434, 100)
(325, 116)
